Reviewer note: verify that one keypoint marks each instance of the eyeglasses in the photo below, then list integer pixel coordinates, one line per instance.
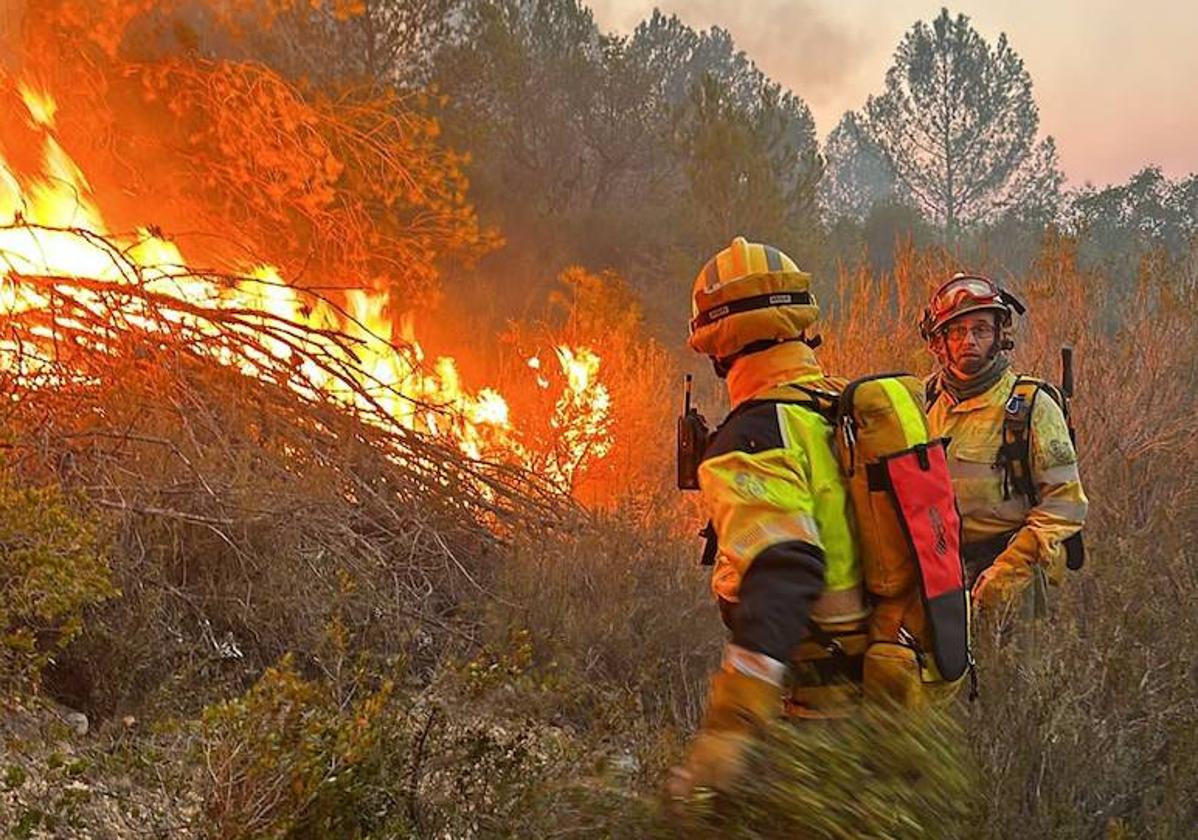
(957, 332)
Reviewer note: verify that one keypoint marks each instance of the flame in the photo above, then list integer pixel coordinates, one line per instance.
(583, 410)
(41, 105)
(535, 364)
(390, 366)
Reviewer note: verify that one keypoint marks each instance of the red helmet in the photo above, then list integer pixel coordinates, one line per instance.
(967, 293)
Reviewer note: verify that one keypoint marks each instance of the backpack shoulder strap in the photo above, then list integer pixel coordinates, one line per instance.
(931, 391)
(1057, 397)
(1014, 454)
(822, 397)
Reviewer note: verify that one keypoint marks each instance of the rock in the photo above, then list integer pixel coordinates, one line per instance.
(78, 722)
(625, 763)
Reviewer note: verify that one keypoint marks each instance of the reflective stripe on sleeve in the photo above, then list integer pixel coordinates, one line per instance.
(1071, 510)
(1064, 474)
(773, 530)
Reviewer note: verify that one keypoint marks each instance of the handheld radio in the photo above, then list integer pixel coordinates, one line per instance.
(692, 441)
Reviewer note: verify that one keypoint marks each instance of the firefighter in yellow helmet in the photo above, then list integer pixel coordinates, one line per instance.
(1011, 455)
(788, 565)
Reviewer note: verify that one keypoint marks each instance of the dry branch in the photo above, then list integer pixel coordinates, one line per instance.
(87, 328)
(261, 493)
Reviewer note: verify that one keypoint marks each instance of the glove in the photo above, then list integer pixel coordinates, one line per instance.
(739, 707)
(1009, 574)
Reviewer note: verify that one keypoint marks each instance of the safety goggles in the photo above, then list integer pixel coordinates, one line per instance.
(965, 291)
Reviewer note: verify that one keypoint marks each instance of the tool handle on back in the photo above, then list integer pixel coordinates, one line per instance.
(692, 441)
(1067, 372)
(1075, 547)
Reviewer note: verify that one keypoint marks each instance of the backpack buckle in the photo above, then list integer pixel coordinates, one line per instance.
(847, 429)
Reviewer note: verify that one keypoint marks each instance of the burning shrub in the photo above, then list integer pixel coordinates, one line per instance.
(621, 454)
(351, 183)
(257, 439)
(244, 494)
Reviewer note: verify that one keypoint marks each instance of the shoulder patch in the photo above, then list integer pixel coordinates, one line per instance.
(1058, 453)
(754, 428)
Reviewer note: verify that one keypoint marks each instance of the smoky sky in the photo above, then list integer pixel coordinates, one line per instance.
(799, 43)
(794, 41)
(1114, 81)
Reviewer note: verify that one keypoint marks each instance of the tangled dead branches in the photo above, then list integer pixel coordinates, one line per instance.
(65, 335)
(259, 488)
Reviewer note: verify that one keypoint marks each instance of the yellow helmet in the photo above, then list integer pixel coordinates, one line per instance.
(747, 293)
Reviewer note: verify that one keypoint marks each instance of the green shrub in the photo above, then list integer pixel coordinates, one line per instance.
(293, 758)
(879, 775)
(301, 758)
(52, 567)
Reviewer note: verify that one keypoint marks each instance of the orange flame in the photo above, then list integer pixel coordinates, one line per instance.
(391, 364)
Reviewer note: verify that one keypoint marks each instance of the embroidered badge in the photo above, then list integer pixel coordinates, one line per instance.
(750, 485)
(1060, 454)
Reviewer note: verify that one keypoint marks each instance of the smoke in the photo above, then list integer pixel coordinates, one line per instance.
(819, 53)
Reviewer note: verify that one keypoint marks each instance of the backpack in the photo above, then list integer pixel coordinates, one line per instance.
(902, 497)
(906, 511)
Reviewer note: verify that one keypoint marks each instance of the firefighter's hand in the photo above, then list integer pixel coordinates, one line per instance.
(1001, 583)
(1009, 574)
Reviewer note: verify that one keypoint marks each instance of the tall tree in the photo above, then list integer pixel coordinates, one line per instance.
(957, 121)
(680, 56)
(858, 175)
(373, 42)
(516, 77)
(751, 169)
(635, 153)
(1035, 197)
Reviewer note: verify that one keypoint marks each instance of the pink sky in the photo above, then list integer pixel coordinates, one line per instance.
(1117, 83)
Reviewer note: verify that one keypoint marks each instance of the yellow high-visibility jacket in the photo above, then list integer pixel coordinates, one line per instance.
(789, 561)
(974, 428)
(772, 488)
